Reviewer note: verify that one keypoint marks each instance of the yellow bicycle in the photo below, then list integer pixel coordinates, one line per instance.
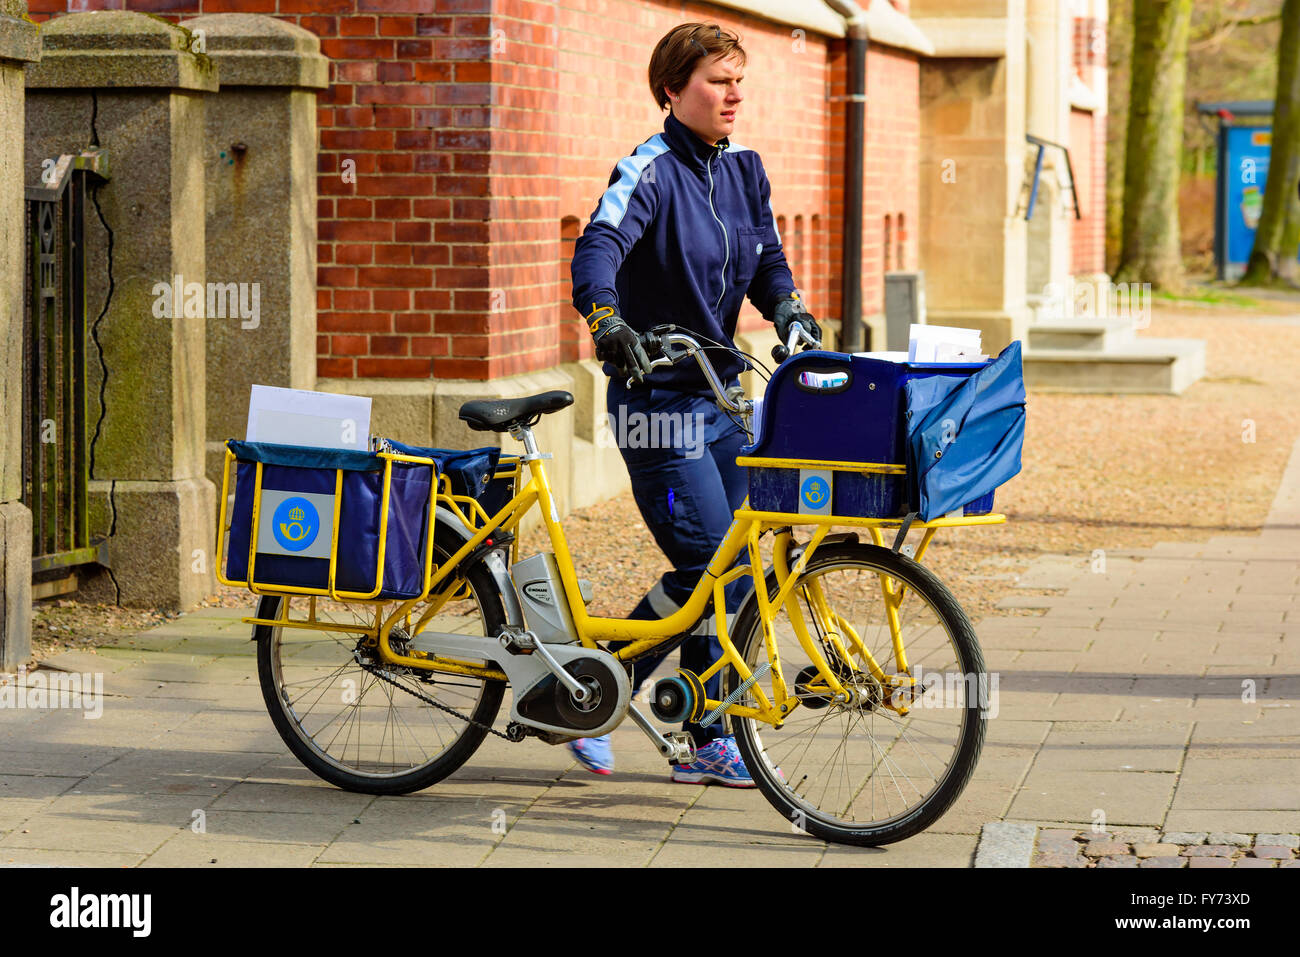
(853, 680)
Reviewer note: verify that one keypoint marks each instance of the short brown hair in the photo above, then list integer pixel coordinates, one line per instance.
(677, 54)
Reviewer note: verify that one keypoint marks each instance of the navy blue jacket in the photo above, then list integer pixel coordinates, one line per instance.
(683, 233)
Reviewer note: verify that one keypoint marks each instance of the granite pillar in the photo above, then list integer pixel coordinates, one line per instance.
(260, 167)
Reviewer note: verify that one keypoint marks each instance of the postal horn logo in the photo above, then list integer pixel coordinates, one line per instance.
(815, 491)
(295, 524)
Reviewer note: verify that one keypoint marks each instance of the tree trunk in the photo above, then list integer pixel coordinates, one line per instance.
(1276, 239)
(1119, 56)
(1150, 243)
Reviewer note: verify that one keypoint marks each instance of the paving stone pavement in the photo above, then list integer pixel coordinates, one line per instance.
(1157, 696)
(1062, 847)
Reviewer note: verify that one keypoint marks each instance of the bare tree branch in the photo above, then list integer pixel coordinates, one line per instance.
(1256, 21)
(1220, 26)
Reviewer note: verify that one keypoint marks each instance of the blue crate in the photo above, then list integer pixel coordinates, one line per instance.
(828, 409)
(298, 491)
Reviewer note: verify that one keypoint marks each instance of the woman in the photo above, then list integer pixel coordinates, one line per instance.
(683, 234)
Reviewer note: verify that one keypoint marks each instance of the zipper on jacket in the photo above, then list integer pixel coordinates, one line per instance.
(726, 243)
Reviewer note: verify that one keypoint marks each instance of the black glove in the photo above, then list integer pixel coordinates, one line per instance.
(617, 343)
(791, 310)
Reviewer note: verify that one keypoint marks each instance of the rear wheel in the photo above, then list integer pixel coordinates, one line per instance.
(356, 730)
(861, 772)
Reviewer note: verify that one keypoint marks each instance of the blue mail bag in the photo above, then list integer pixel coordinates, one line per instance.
(483, 474)
(469, 471)
(965, 435)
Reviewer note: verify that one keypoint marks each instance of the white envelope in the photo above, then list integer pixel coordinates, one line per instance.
(928, 343)
(299, 417)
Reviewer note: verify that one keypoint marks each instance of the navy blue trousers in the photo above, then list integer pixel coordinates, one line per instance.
(680, 450)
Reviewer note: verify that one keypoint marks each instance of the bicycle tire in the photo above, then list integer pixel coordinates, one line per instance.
(296, 730)
(779, 786)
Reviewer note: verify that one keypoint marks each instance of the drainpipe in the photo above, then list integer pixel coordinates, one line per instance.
(855, 21)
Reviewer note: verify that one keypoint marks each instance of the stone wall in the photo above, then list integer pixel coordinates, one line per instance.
(259, 149)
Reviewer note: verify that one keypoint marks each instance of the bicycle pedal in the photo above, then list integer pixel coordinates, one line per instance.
(683, 747)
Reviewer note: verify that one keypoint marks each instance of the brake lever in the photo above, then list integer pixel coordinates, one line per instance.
(782, 351)
(669, 354)
(654, 364)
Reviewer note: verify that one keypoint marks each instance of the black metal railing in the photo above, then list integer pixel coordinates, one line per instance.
(1042, 145)
(56, 468)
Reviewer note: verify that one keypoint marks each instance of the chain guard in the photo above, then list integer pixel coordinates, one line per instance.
(548, 704)
(529, 675)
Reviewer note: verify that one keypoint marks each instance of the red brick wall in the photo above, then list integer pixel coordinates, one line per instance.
(525, 157)
(1089, 233)
(479, 128)
(892, 186)
(1089, 42)
(405, 286)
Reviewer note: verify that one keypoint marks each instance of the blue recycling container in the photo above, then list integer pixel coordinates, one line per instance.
(380, 550)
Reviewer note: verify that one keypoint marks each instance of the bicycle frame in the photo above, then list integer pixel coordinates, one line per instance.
(647, 635)
(643, 637)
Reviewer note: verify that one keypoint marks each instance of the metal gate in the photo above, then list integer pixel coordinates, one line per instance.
(56, 469)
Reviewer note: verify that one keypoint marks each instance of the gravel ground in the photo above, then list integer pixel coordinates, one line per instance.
(64, 624)
(1100, 472)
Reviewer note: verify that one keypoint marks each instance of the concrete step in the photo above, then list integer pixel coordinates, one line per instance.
(1093, 335)
(1159, 366)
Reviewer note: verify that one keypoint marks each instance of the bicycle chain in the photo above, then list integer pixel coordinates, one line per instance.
(384, 676)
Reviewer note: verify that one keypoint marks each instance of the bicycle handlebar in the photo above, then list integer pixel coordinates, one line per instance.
(663, 342)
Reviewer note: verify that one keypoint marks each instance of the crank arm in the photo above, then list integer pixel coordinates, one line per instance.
(675, 747)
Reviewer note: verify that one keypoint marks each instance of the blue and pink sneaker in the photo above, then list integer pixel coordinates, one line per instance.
(594, 754)
(718, 762)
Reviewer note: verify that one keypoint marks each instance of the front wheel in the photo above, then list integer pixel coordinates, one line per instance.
(888, 763)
